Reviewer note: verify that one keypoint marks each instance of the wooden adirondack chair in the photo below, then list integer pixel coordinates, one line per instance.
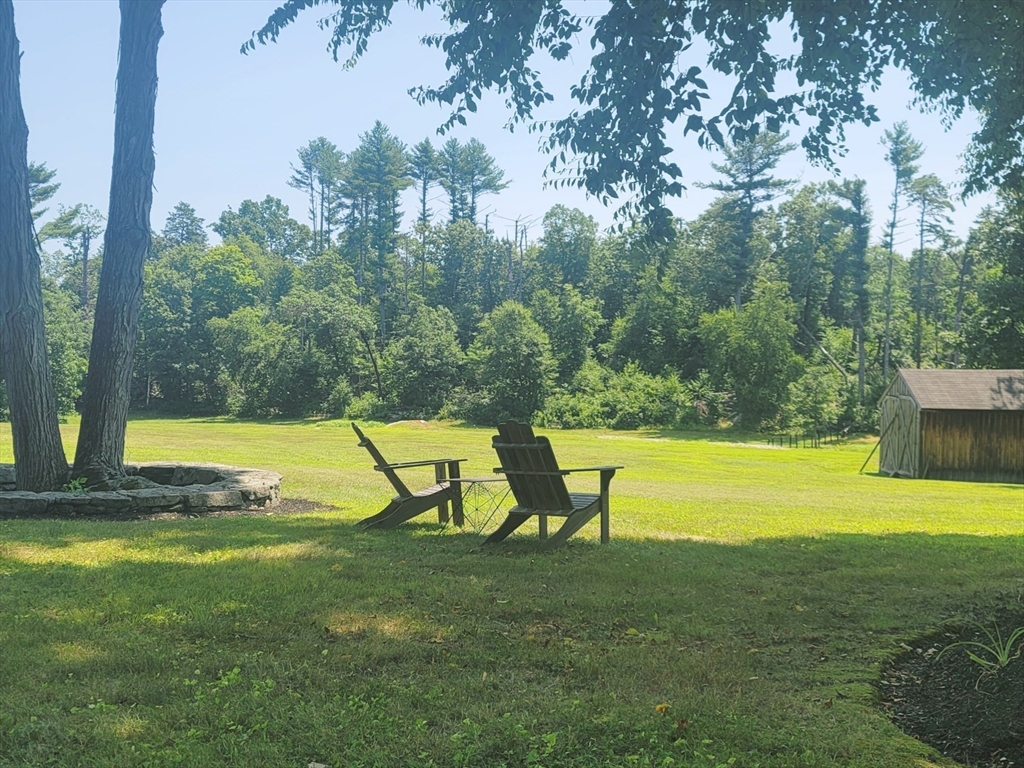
(407, 505)
(538, 485)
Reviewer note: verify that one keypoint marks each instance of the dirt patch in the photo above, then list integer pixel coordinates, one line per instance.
(949, 702)
(282, 507)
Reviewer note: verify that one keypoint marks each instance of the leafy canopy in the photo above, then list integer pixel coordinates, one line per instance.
(641, 77)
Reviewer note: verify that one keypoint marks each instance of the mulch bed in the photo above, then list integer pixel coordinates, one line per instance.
(283, 507)
(949, 702)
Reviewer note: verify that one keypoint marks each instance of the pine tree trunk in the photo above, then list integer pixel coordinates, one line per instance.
(100, 454)
(961, 279)
(919, 309)
(86, 240)
(38, 452)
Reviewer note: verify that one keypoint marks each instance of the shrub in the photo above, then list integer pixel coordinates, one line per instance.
(468, 404)
(815, 399)
(569, 411)
(704, 404)
(339, 400)
(365, 407)
(636, 399)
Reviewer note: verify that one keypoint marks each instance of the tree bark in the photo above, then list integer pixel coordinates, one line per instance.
(100, 454)
(86, 242)
(38, 452)
(919, 309)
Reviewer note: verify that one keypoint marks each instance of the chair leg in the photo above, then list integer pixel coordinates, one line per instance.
(512, 522)
(410, 508)
(384, 514)
(572, 523)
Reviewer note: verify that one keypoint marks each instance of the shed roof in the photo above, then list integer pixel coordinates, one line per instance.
(964, 390)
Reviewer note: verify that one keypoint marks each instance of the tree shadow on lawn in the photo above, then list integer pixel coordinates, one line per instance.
(830, 573)
(181, 418)
(695, 435)
(787, 634)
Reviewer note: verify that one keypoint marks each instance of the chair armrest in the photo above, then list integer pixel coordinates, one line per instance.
(531, 473)
(559, 473)
(428, 463)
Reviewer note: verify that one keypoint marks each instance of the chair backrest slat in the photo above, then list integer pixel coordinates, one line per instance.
(519, 449)
(400, 488)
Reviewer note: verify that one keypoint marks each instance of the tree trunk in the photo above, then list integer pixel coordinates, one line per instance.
(86, 241)
(100, 454)
(861, 364)
(961, 278)
(38, 452)
(918, 324)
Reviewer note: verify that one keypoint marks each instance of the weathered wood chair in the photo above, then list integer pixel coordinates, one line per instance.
(407, 505)
(538, 485)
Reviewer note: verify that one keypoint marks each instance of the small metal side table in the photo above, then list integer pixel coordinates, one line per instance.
(482, 498)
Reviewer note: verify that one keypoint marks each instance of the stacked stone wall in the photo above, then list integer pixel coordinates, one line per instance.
(184, 488)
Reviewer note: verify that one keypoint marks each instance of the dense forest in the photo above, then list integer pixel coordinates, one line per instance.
(773, 309)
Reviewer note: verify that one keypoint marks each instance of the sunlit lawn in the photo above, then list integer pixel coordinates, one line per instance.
(740, 615)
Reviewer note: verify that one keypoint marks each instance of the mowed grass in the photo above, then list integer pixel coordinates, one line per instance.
(739, 617)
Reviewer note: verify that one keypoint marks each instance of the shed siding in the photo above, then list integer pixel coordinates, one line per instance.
(973, 445)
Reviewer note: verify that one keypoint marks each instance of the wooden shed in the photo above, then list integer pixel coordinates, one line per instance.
(954, 425)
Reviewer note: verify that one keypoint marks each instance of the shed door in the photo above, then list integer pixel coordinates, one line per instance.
(900, 445)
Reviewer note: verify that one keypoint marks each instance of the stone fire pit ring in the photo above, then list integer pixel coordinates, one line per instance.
(182, 488)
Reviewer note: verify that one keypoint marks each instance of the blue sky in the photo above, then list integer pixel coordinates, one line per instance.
(228, 126)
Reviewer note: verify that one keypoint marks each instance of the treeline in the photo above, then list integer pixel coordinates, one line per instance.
(772, 309)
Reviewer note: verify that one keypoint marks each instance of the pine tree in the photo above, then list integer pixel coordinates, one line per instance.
(184, 227)
(749, 184)
(931, 198)
(423, 168)
(902, 153)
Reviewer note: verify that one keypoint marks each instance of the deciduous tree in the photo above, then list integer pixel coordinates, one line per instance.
(38, 452)
(644, 75)
(100, 453)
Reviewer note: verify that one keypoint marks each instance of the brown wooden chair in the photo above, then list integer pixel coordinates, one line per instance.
(538, 485)
(407, 505)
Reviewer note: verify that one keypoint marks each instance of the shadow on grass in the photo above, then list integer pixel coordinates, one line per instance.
(194, 618)
(897, 557)
(180, 418)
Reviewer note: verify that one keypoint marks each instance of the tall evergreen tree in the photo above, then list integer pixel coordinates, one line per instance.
(184, 227)
(858, 217)
(450, 177)
(931, 198)
(77, 226)
(749, 184)
(480, 175)
(40, 187)
(378, 171)
(319, 175)
(902, 154)
(423, 168)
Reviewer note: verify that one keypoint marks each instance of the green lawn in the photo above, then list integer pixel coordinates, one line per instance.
(739, 617)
